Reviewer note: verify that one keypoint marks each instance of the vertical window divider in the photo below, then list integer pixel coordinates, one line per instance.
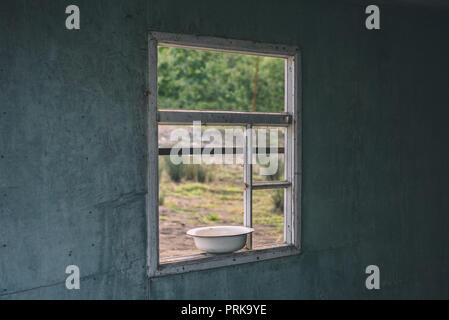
(291, 173)
(248, 181)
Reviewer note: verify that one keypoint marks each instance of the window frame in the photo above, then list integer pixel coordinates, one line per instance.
(290, 119)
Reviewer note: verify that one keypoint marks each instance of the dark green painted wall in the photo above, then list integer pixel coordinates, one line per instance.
(72, 146)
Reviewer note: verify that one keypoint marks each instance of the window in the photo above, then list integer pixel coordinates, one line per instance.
(286, 123)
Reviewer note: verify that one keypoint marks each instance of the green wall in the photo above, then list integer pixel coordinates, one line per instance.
(73, 149)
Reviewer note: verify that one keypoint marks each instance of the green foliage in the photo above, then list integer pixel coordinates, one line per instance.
(196, 172)
(210, 177)
(278, 199)
(278, 174)
(189, 190)
(191, 172)
(161, 198)
(203, 80)
(175, 172)
(277, 196)
(201, 174)
(160, 169)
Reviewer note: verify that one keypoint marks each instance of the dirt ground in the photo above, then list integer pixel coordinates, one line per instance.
(174, 242)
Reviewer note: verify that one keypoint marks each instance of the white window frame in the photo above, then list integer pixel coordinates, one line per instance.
(290, 119)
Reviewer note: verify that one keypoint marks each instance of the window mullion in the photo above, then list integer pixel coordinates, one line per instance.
(248, 180)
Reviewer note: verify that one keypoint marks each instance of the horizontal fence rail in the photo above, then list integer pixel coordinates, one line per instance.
(218, 150)
(225, 118)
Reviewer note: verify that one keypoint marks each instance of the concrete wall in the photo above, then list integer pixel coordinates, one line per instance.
(72, 147)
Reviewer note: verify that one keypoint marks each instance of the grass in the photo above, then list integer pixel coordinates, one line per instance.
(219, 201)
(191, 190)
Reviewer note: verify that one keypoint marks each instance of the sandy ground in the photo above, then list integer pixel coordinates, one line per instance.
(174, 242)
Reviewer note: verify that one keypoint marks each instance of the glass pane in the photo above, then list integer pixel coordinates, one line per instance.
(268, 217)
(192, 196)
(205, 80)
(213, 144)
(269, 162)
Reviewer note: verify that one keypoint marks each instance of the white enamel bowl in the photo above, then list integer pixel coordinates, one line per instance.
(220, 239)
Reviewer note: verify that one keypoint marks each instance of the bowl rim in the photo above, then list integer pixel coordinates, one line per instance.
(244, 231)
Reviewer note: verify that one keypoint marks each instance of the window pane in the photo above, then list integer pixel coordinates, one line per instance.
(230, 136)
(206, 80)
(268, 217)
(269, 162)
(194, 196)
(211, 144)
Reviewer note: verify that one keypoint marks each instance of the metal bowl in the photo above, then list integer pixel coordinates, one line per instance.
(220, 239)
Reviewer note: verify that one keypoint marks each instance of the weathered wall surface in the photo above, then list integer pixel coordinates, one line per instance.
(72, 146)
(72, 149)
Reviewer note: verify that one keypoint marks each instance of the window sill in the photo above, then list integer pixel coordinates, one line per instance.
(209, 261)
